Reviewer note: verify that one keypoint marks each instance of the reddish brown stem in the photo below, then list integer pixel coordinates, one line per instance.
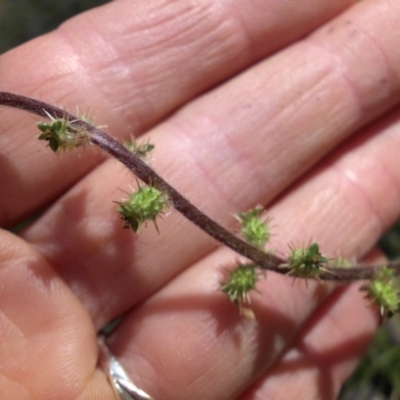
(145, 173)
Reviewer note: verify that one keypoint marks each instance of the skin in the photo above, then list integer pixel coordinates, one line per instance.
(290, 107)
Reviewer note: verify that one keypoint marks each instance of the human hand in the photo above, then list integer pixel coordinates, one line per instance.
(306, 132)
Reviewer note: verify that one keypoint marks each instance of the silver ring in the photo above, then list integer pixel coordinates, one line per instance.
(122, 385)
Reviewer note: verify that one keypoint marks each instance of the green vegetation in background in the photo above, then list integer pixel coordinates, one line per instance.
(21, 20)
(378, 375)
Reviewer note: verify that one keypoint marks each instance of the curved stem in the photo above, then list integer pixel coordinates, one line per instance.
(145, 173)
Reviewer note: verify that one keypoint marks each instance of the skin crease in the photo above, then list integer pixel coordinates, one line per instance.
(258, 104)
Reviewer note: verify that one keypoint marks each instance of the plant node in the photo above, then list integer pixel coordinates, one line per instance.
(384, 290)
(241, 281)
(141, 149)
(145, 204)
(62, 134)
(254, 230)
(306, 262)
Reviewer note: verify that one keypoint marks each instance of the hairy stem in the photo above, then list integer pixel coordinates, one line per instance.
(145, 173)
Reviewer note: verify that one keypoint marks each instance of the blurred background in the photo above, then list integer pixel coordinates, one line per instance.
(378, 375)
(21, 20)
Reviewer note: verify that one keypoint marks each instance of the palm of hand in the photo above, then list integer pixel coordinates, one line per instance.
(243, 143)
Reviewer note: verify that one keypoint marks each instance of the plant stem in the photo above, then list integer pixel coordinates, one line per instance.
(145, 173)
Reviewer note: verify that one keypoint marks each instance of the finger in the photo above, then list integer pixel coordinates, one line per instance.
(48, 343)
(325, 354)
(240, 173)
(355, 189)
(187, 319)
(325, 351)
(188, 341)
(135, 62)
